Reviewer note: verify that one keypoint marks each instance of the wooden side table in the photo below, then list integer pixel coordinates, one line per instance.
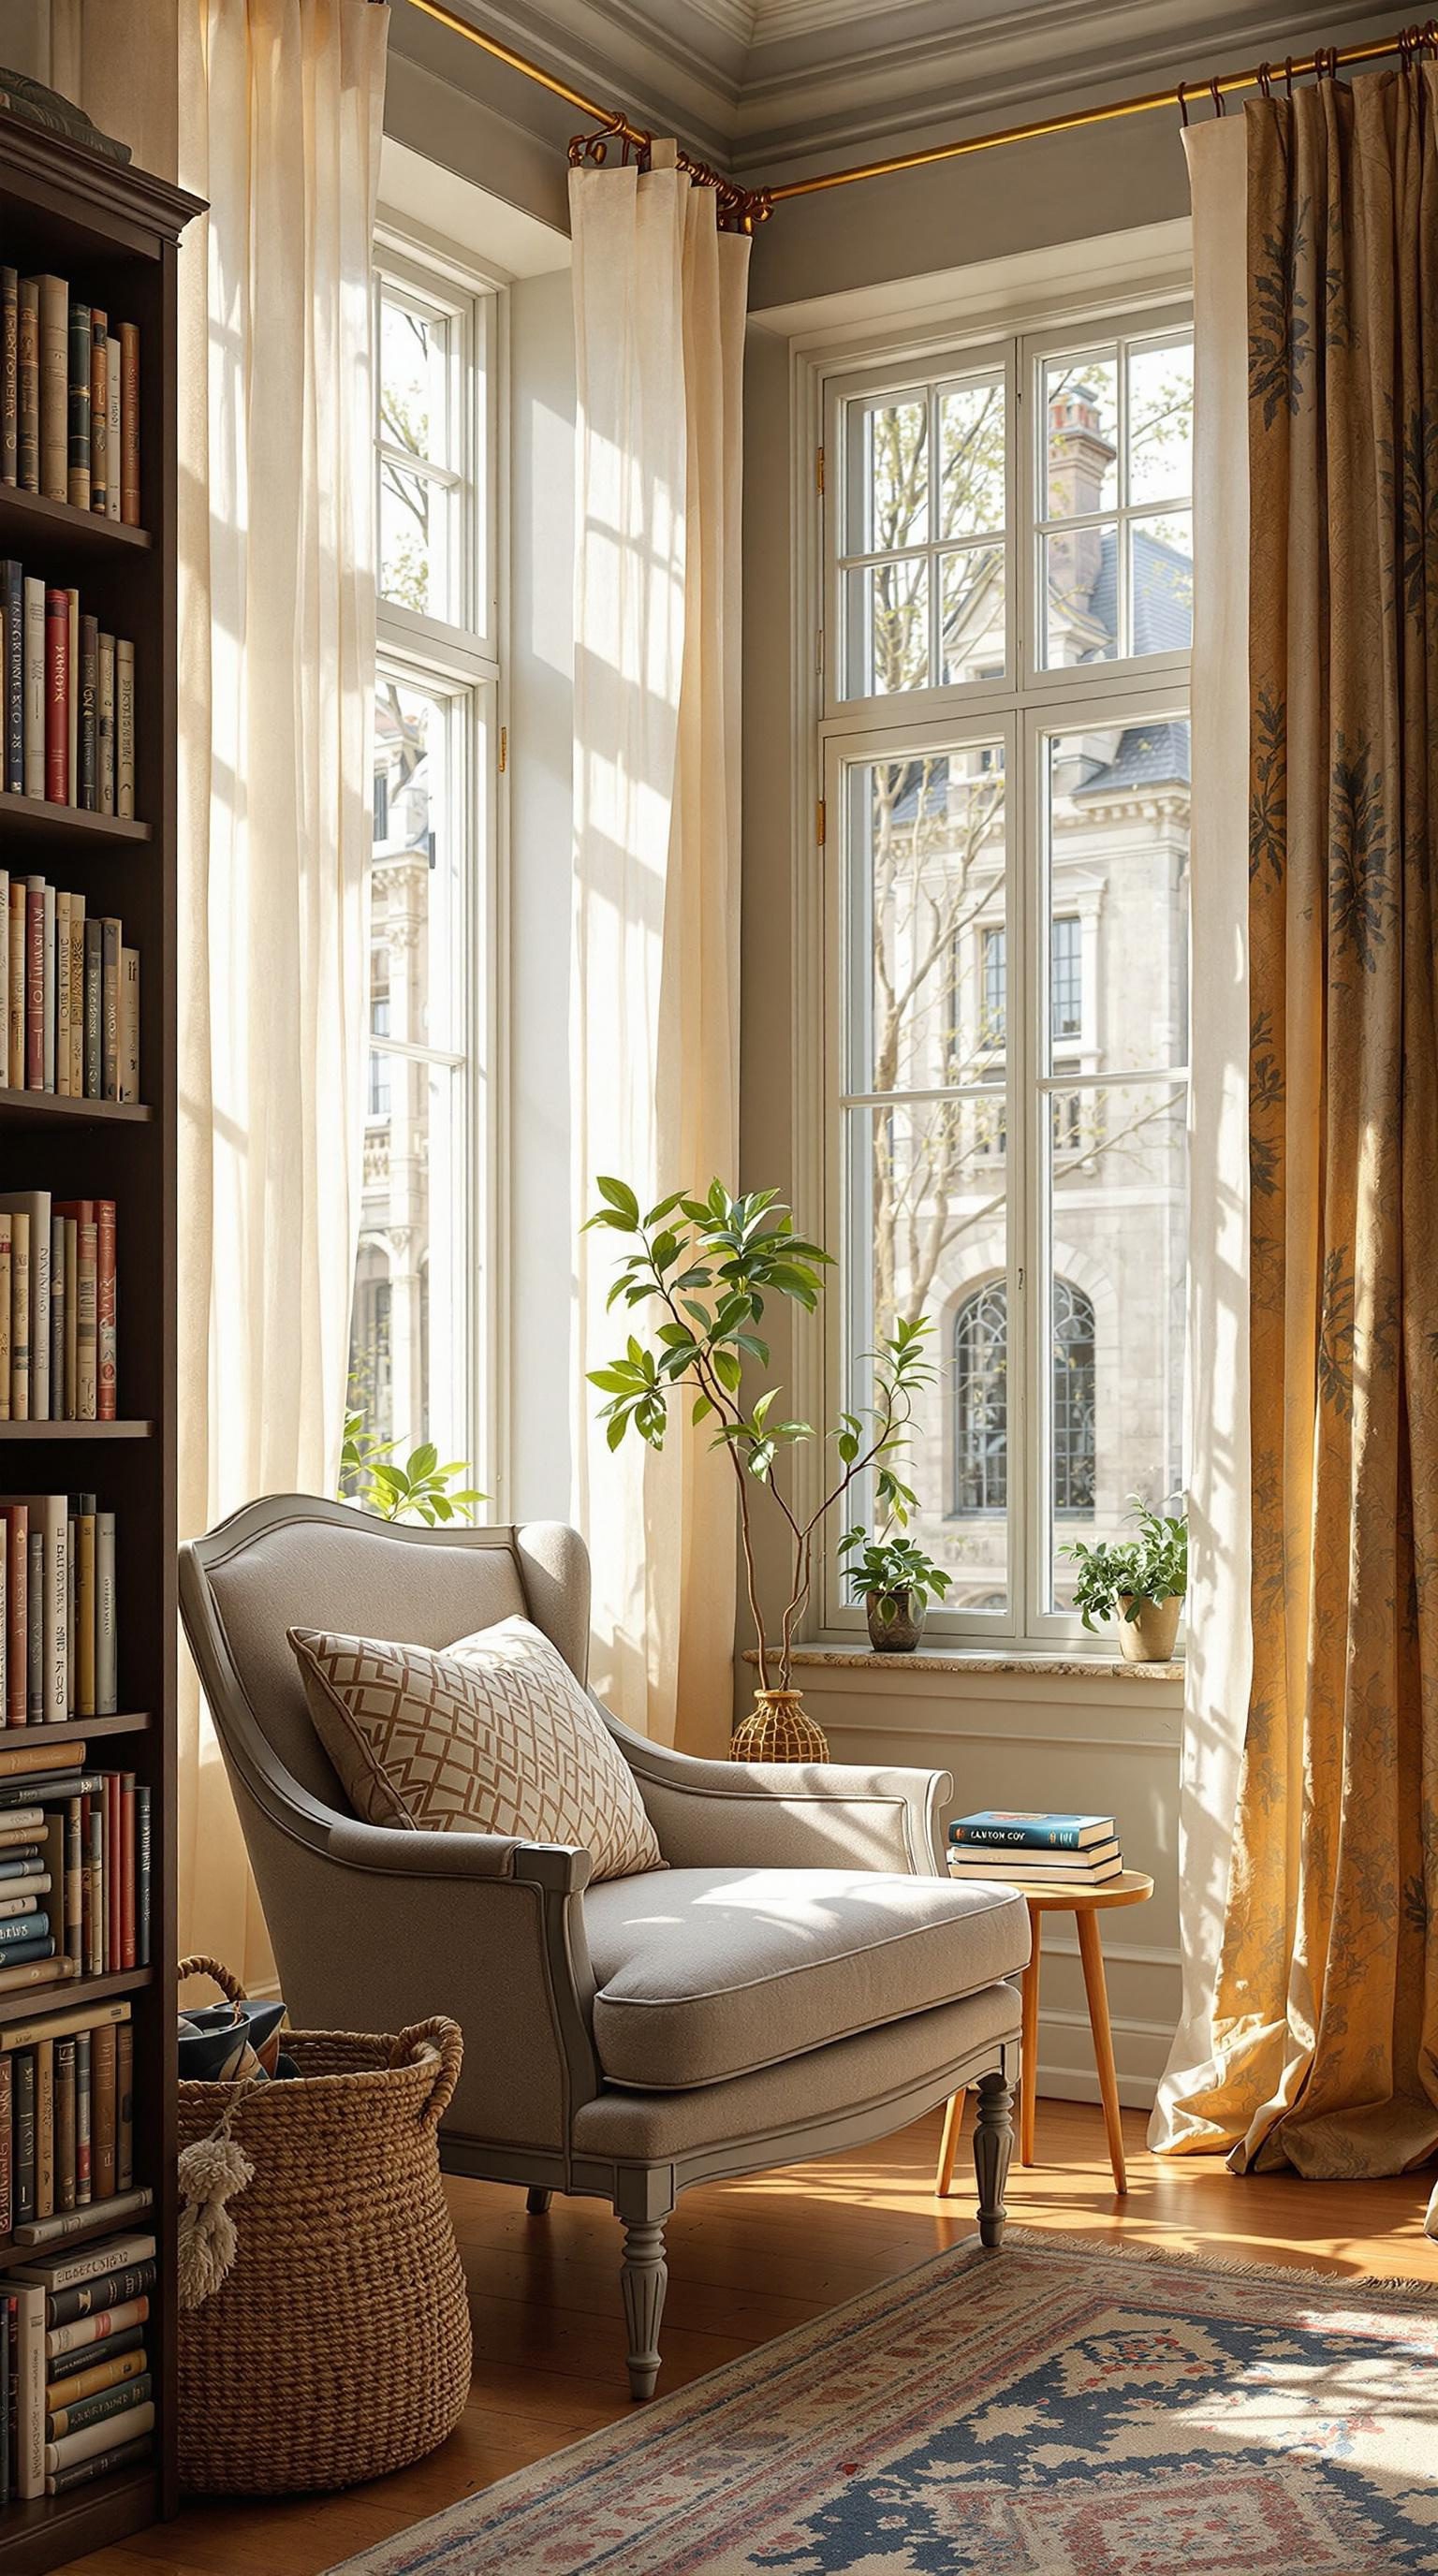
(1086, 1903)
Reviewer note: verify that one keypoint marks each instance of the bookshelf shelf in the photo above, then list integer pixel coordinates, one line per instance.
(72, 1431)
(34, 818)
(38, 1108)
(112, 232)
(28, 520)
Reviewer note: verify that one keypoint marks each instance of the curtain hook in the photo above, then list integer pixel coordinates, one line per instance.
(1183, 102)
(1265, 80)
(1216, 94)
(1288, 72)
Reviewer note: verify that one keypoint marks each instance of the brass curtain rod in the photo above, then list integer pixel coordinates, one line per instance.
(753, 206)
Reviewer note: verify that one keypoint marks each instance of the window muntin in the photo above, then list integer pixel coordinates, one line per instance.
(1116, 431)
(923, 567)
(1010, 1099)
(416, 1334)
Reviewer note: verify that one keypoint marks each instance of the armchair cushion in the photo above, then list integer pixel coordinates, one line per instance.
(491, 1736)
(704, 1974)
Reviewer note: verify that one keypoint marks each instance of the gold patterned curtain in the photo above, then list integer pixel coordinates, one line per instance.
(1326, 2014)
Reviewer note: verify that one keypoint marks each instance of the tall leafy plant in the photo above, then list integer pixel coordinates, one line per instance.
(702, 1272)
(415, 1488)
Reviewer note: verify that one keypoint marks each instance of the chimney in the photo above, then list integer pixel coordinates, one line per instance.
(1078, 457)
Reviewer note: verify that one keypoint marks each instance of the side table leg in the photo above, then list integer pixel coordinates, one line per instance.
(949, 2144)
(1091, 1953)
(1029, 2047)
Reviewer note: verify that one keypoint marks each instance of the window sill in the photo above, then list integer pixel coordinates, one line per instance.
(966, 1660)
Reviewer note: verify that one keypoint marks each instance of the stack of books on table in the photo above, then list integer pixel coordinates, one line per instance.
(80, 2390)
(1035, 1851)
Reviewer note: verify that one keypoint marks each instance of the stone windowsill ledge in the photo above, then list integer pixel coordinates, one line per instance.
(964, 1660)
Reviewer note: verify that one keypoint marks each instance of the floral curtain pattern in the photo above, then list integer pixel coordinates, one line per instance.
(1326, 2013)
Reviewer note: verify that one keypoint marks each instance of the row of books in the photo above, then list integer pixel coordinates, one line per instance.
(67, 2123)
(69, 398)
(71, 991)
(67, 692)
(77, 2394)
(1035, 1850)
(59, 1640)
(57, 1308)
(75, 1849)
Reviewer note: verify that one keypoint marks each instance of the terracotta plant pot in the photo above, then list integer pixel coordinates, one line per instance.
(899, 1633)
(1149, 1639)
(777, 1730)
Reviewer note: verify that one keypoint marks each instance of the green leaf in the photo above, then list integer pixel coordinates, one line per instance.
(620, 1197)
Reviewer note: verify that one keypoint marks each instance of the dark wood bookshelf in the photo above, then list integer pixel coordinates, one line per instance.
(29, 1108)
(114, 233)
(35, 818)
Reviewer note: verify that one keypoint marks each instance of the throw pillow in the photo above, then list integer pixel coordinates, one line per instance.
(492, 1735)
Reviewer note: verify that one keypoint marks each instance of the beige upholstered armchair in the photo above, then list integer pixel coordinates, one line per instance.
(801, 1977)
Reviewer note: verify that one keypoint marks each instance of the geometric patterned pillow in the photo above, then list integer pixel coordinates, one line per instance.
(492, 1735)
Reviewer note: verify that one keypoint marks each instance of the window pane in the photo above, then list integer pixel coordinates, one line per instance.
(887, 623)
(1118, 804)
(1160, 423)
(414, 380)
(416, 542)
(931, 1205)
(1081, 596)
(1118, 1217)
(417, 887)
(1081, 429)
(971, 606)
(408, 1328)
(1161, 582)
(972, 461)
(926, 866)
(888, 475)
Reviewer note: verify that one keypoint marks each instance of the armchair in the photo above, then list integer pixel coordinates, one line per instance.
(801, 1977)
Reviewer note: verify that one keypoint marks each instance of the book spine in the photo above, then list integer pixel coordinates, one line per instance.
(112, 425)
(98, 2328)
(35, 634)
(99, 2440)
(51, 2231)
(17, 984)
(124, 729)
(45, 2129)
(83, 2192)
(85, 1615)
(14, 677)
(87, 1315)
(64, 2124)
(129, 1024)
(107, 1678)
(105, 727)
(30, 2394)
(35, 984)
(105, 2402)
(27, 385)
(102, 2119)
(94, 991)
(24, 2176)
(9, 376)
(124, 2108)
(62, 1010)
(54, 388)
(19, 1387)
(4, 1415)
(6, 2438)
(106, 1337)
(76, 2375)
(127, 1870)
(78, 409)
(110, 1008)
(74, 1885)
(77, 996)
(48, 989)
(1017, 1838)
(130, 424)
(57, 696)
(89, 692)
(72, 698)
(99, 411)
(142, 1875)
(7, 2116)
(82, 2473)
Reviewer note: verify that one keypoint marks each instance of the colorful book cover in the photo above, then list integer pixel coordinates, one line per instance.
(1004, 1826)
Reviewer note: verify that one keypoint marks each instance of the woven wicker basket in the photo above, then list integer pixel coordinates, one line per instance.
(777, 1729)
(339, 2345)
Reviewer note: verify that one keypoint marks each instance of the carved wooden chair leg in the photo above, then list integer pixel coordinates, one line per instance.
(644, 2279)
(993, 2146)
(537, 2200)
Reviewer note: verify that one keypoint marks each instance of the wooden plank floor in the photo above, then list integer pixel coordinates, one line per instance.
(746, 2260)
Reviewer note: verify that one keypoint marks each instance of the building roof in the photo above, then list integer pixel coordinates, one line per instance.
(1148, 755)
(1162, 593)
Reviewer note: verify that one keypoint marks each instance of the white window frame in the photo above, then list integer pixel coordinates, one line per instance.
(460, 662)
(1028, 706)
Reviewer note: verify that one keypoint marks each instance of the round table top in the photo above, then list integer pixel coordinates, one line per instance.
(1080, 1896)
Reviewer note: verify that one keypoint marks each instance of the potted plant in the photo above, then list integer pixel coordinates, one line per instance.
(894, 1579)
(705, 1270)
(372, 1476)
(1141, 1581)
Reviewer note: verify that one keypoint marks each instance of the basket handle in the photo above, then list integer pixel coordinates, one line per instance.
(201, 1966)
(447, 2037)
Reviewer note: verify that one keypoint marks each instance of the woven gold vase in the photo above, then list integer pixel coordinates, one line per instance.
(777, 1730)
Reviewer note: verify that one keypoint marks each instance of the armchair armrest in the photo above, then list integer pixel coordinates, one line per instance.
(788, 1815)
(421, 1854)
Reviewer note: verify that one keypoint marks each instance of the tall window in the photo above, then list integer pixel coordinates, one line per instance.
(418, 1331)
(1005, 773)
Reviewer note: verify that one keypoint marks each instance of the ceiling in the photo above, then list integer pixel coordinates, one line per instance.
(774, 87)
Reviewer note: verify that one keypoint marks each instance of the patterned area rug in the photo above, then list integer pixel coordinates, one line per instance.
(1055, 2407)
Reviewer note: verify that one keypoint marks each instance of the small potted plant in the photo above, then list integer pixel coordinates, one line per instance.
(1141, 1581)
(895, 1580)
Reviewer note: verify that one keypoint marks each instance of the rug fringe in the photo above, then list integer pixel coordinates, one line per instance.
(1390, 2287)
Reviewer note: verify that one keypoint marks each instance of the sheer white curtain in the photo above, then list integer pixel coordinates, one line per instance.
(659, 299)
(1219, 1663)
(271, 110)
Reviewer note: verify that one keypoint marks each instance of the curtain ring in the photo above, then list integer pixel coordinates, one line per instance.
(1265, 80)
(1216, 94)
(1183, 102)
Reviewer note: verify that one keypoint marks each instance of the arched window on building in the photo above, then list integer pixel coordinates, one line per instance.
(981, 1399)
